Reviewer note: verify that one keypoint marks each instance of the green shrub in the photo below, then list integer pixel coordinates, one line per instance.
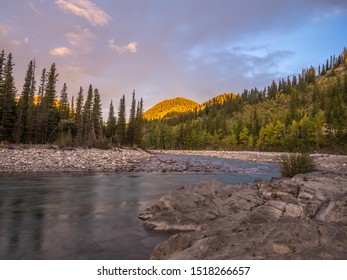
(297, 163)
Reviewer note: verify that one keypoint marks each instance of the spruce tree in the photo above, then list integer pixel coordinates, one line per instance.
(40, 111)
(97, 115)
(139, 123)
(78, 116)
(88, 131)
(2, 90)
(8, 106)
(131, 124)
(25, 119)
(51, 116)
(111, 124)
(64, 103)
(121, 122)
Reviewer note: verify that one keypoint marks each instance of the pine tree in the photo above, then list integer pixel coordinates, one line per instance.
(2, 90)
(97, 115)
(72, 107)
(131, 124)
(78, 116)
(25, 120)
(40, 110)
(121, 122)
(272, 90)
(88, 131)
(64, 103)
(111, 124)
(8, 99)
(51, 116)
(139, 124)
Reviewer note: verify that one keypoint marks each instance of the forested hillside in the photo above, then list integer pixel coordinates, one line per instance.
(170, 107)
(302, 112)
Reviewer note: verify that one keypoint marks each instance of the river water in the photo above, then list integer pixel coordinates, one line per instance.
(95, 216)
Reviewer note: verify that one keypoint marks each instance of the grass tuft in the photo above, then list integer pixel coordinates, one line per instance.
(298, 163)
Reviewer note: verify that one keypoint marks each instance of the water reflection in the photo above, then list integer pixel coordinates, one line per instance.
(88, 217)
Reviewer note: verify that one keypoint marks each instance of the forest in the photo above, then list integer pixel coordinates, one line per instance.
(305, 112)
(41, 117)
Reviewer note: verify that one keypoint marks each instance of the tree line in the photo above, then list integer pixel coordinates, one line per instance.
(303, 112)
(41, 117)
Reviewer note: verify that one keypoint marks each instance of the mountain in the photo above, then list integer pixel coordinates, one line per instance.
(304, 112)
(170, 106)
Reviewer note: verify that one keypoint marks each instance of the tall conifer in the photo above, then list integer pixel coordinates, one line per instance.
(8, 99)
(121, 122)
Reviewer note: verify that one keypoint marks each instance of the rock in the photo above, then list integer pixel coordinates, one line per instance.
(49, 159)
(300, 218)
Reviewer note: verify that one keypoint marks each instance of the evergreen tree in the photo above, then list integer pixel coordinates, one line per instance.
(111, 124)
(2, 65)
(51, 116)
(72, 107)
(8, 100)
(272, 90)
(139, 123)
(25, 120)
(121, 122)
(40, 112)
(88, 131)
(78, 116)
(64, 110)
(2, 90)
(131, 124)
(97, 115)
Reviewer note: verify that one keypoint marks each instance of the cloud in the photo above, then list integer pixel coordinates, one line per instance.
(4, 30)
(82, 39)
(85, 9)
(131, 47)
(60, 51)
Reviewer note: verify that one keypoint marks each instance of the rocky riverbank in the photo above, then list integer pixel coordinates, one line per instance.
(300, 218)
(53, 160)
(50, 159)
(323, 161)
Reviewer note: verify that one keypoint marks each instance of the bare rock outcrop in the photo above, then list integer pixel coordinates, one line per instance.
(300, 218)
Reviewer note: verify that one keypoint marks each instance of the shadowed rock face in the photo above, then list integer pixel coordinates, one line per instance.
(300, 218)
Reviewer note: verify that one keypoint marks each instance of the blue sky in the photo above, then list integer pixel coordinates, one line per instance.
(163, 49)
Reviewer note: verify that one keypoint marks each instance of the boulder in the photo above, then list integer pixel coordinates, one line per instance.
(300, 218)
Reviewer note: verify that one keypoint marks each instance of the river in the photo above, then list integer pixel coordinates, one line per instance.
(95, 216)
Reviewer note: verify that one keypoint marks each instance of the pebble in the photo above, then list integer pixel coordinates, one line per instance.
(46, 160)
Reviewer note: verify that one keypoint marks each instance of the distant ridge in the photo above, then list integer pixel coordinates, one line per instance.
(219, 99)
(180, 105)
(169, 106)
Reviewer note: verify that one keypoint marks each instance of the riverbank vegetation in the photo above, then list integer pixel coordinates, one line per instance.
(296, 163)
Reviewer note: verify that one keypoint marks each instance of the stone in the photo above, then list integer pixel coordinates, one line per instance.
(300, 218)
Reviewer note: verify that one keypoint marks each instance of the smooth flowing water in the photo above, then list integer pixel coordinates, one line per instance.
(95, 216)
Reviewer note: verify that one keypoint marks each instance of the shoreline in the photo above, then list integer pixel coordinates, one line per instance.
(323, 161)
(52, 161)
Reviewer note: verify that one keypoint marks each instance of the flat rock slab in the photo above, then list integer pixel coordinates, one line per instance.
(300, 218)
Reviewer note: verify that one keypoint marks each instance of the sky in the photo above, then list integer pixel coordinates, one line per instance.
(164, 49)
